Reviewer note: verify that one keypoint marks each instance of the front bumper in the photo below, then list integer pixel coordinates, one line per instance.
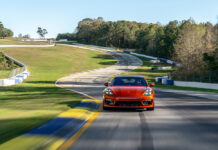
(112, 102)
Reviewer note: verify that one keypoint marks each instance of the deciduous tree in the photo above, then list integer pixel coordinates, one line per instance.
(42, 32)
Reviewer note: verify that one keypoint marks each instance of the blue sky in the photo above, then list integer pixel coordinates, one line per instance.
(58, 16)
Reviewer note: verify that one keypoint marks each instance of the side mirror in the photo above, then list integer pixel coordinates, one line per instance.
(106, 84)
(152, 84)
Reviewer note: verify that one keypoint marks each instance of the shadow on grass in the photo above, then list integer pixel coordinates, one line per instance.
(152, 71)
(120, 110)
(32, 98)
(41, 82)
(110, 59)
(104, 56)
(31, 93)
(90, 106)
(108, 62)
(11, 128)
(70, 104)
(29, 89)
(67, 42)
(78, 83)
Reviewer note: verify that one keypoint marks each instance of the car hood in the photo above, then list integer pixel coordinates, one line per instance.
(128, 91)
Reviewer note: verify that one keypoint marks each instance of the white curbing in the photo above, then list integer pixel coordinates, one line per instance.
(166, 81)
(162, 68)
(154, 61)
(16, 79)
(196, 84)
(8, 82)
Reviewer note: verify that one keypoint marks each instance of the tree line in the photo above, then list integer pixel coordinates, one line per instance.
(196, 48)
(193, 45)
(4, 32)
(68, 36)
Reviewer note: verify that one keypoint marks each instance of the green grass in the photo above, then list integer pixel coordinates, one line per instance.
(145, 70)
(15, 41)
(64, 42)
(4, 74)
(37, 100)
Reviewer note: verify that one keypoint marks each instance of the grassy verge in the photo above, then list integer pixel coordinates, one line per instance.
(37, 100)
(15, 41)
(64, 42)
(4, 74)
(145, 70)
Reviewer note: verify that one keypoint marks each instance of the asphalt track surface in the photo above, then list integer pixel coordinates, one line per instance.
(178, 122)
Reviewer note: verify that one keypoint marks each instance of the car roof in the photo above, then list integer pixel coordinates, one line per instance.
(128, 76)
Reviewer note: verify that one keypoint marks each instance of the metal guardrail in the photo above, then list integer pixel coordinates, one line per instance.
(22, 67)
(154, 58)
(15, 61)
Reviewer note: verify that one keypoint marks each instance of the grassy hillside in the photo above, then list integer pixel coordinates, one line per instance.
(4, 74)
(6, 66)
(15, 41)
(37, 100)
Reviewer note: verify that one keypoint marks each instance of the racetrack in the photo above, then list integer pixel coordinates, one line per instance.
(178, 122)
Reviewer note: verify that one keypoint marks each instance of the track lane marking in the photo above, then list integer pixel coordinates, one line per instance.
(67, 144)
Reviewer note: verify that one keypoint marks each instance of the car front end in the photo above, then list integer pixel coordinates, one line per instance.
(128, 97)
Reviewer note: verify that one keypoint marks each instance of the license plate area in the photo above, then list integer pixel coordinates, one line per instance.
(128, 103)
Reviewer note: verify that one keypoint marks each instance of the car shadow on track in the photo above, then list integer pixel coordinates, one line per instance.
(124, 110)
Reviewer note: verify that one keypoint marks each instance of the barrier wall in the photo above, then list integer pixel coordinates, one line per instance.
(166, 81)
(196, 84)
(142, 55)
(156, 58)
(17, 78)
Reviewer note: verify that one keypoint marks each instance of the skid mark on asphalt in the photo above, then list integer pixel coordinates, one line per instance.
(146, 138)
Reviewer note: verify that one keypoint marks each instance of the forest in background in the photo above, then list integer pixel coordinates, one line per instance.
(193, 45)
(5, 64)
(5, 32)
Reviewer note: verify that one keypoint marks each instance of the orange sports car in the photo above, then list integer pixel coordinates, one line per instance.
(128, 92)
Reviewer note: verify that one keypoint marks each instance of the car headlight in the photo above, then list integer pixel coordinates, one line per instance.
(148, 91)
(108, 91)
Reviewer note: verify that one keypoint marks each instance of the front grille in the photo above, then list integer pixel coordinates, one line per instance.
(127, 103)
(147, 102)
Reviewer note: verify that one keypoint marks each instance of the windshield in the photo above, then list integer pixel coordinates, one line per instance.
(128, 81)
